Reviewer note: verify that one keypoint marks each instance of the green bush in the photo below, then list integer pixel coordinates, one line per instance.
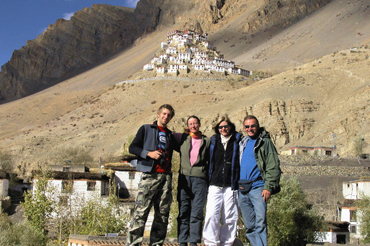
(358, 145)
(290, 219)
(38, 205)
(363, 212)
(92, 217)
(21, 234)
(174, 212)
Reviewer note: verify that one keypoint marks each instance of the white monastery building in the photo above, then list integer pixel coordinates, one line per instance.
(161, 69)
(181, 48)
(148, 67)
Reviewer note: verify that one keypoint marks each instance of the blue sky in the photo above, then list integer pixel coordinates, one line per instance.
(22, 20)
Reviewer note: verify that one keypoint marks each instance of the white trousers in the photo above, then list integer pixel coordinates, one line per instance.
(221, 216)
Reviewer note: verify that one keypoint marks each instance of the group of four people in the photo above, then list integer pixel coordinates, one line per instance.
(229, 171)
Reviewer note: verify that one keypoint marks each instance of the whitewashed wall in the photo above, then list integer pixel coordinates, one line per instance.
(331, 237)
(4, 187)
(355, 190)
(123, 180)
(346, 216)
(79, 194)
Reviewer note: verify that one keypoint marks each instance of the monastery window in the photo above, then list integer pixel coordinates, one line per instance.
(353, 229)
(353, 215)
(65, 169)
(328, 152)
(67, 186)
(105, 188)
(91, 185)
(131, 175)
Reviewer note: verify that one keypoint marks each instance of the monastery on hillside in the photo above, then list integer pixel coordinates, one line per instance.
(188, 50)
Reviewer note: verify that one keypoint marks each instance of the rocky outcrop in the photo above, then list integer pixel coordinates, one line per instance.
(289, 120)
(257, 16)
(93, 33)
(280, 13)
(67, 47)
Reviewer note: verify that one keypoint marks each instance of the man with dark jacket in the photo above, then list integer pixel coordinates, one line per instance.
(259, 179)
(154, 145)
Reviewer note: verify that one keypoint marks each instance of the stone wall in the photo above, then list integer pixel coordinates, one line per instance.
(321, 178)
(325, 171)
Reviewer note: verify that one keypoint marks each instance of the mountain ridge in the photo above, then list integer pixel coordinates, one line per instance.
(324, 94)
(96, 33)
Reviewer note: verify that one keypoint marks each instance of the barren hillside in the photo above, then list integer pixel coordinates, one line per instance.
(323, 89)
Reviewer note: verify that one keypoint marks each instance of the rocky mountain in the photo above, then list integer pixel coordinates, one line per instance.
(68, 47)
(320, 85)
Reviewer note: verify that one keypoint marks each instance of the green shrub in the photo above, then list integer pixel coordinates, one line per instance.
(290, 219)
(21, 234)
(94, 216)
(363, 212)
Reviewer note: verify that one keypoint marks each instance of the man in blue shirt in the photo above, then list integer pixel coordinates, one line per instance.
(259, 178)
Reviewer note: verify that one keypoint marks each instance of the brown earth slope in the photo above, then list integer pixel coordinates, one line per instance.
(93, 34)
(301, 106)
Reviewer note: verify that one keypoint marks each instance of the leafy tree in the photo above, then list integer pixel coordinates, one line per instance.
(172, 228)
(358, 145)
(21, 234)
(98, 216)
(39, 205)
(91, 217)
(363, 212)
(290, 219)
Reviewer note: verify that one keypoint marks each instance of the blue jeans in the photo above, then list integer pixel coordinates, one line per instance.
(253, 210)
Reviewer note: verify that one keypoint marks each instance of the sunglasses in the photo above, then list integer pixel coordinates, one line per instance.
(250, 126)
(225, 126)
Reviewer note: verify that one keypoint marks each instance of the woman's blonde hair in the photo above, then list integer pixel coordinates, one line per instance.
(221, 119)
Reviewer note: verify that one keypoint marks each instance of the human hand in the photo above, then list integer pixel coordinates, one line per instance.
(155, 154)
(266, 195)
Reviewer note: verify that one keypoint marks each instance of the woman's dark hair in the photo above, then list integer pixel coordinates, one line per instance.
(193, 116)
(224, 118)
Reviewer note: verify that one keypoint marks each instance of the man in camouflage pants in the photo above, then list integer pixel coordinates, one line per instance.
(153, 145)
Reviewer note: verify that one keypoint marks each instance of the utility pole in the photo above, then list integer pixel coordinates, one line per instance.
(362, 142)
(334, 137)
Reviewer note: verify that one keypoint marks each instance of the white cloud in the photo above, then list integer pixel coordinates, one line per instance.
(132, 3)
(67, 16)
